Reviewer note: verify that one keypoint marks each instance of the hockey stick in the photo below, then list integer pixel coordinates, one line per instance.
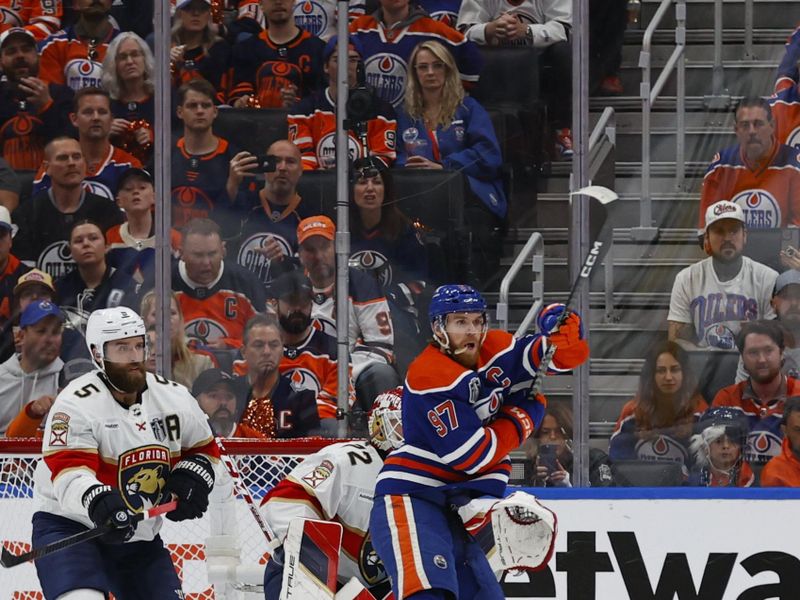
(599, 199)
(241, 489)
(9, 560)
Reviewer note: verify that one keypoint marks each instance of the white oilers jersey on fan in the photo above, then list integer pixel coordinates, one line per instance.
(335, 484)
(548, 21)
(716, 309)
(91, 439)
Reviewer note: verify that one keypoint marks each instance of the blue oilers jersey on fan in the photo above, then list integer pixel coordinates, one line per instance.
(386, 51)
(251, 222)
(391, 261)
(445, 11)
(787, 70)
(456, 436)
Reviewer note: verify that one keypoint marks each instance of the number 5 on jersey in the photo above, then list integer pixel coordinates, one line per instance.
(443, 418)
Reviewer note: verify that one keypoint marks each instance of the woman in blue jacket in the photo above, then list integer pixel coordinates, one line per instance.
(441, 128)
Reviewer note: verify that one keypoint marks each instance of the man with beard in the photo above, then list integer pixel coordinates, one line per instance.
(74, 56)
(32, 112)
(273, 405)
(759, 173)
(29, 380)
(762, 396)
(309, 354)
(215, 393)
(784, 469)
(261, 227)
(109, 441)
(712, 298)
(786, 302)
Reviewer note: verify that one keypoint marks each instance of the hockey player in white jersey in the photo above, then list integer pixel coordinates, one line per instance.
(118, 441)
(337, 483)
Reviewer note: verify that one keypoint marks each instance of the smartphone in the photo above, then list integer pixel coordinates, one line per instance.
(547, 457)
(267, 163)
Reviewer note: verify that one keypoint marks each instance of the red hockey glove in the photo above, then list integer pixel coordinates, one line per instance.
(572, 350)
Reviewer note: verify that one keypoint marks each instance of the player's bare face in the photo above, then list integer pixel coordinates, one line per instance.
(318, 257)
(124, 363)
(723, 452)
(65, 163)
(787, 305)
(668, 376)
(430, 71)
(726, 238)
(93, 118)
(87, 245)
(755, 132)
(203, 256)
(368, 193)
(197, 111)
(277, 11)
(465, 331)
(41, 342)
(264, 349)
(288, 169)
(195, 17)
(130, 61)
(18, 58)
(762, 358)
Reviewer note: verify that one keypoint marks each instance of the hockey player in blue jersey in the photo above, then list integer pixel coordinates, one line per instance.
(465, 407)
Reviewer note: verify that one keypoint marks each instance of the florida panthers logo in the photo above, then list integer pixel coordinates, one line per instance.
(761, 209)
(372, 569)
(720, 336)
(303, 379)
(252, 259)
(311, 16)
(386, 74)
(80, 73)
(142, 476)
(326, 150)
(56, 260)
(205, 331)
(794, 138)
(662, 448)
(374, 262)
(761, 446)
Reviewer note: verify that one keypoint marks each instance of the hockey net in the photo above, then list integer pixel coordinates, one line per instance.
(220, 556)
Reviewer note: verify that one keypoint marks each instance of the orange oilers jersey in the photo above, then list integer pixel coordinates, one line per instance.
(312, 127)
(782, 470)
(786, 114)
(263, 68)
(73, 61)
(312, 365)
(41, 17)
(769, 193)
(219, 311)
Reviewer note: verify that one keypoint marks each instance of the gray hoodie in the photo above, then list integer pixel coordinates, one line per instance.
(17, 388)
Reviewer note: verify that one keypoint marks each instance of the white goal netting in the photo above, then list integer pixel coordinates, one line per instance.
(220, 556)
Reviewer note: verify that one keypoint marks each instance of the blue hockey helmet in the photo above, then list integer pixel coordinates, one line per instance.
(455, 299)
(726, 420)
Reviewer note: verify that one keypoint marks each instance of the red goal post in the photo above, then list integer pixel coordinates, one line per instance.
(221, 555)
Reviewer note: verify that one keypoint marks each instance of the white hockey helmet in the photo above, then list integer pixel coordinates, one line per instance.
(109, 324)
(385, 426)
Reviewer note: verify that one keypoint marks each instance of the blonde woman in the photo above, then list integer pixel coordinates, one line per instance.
(187, 363)
(441, 128)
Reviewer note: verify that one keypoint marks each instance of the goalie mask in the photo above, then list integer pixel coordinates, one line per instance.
(385, 425)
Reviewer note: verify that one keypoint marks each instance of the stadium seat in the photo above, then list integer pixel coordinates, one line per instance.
(646, 473)
(251, 129)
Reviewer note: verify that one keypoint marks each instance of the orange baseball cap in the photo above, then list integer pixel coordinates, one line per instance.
(317, 225)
